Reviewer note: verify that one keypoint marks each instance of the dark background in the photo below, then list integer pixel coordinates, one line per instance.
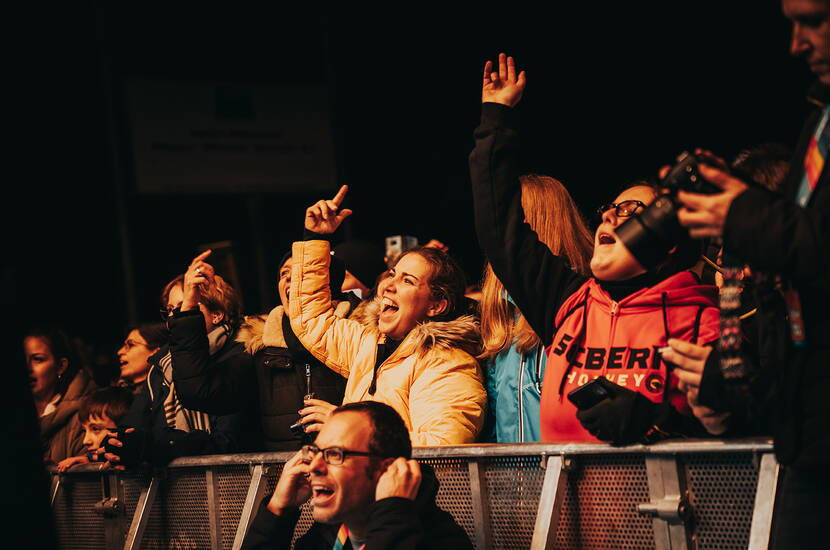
(613, 93)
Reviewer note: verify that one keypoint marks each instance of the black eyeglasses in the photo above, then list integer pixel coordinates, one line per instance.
(332, 455)
(622, 209)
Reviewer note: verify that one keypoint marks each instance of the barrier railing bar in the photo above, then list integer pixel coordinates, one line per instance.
(54, 489)
(550, 503)
(141, 516)
(668, 505)
(256, 491)
(481, 504)
(762, 513)
(212, 483)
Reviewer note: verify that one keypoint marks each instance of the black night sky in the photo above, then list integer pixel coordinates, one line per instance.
(613, 93)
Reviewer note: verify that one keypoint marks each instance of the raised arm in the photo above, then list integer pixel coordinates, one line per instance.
(537, 280)
(334, 341)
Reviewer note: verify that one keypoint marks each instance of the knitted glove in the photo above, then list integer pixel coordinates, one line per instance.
(623, 418)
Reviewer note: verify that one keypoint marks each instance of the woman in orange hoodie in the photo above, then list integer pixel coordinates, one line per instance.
(611, 326)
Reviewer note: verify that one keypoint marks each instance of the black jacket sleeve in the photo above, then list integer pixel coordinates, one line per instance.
(537, 280)
(269, 531)
(203, 384)
(773, 234)
(396, 523)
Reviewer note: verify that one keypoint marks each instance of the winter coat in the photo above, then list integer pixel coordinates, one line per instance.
(61, 433)
(164, 443)
(393, 523)
(597, 336)
(555, 300)
(432, 379)
(771, 233)
(284, 370)
(514, 391)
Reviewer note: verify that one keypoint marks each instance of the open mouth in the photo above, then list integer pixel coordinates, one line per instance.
(388, 306)
(605, 238)
(321, 493)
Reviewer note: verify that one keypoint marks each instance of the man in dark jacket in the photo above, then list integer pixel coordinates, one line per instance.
(790, 235)
(364, 487)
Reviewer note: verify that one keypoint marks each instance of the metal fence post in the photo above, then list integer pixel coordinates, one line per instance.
(761, 529)
(256, 491)
(141, 516)
(481, 504)
(669, 505)
(550, 503)
(54, 489)
(212, 482)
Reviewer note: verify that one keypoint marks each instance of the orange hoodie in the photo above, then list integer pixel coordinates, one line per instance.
(596, 336)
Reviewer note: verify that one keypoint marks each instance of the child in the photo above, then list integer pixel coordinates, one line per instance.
(98, 415)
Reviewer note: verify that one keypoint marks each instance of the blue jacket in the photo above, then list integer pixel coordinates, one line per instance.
(514, 390)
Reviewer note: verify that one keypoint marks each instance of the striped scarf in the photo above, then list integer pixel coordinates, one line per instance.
(177, 416)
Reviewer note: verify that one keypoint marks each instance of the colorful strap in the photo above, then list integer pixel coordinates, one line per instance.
(342, 542)
(814, 159)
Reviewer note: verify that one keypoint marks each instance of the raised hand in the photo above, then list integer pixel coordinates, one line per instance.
(315, 413)
(504, 86)
(199, 275)
(292, 488)
(401, 479)
(325, 216)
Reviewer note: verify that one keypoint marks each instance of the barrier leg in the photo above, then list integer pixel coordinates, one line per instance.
(761, 529)
(550, 503)
(481, 505)
(669, 504)
(146, 499)
(255, 493)
(212, 482)
(55, 488)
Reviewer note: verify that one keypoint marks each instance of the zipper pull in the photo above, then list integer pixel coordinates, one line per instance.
(308, 393)
(613, 308)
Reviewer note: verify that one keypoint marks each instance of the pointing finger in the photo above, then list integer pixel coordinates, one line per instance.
(338, 198)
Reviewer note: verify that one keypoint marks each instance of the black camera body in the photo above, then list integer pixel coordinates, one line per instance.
(653, 232)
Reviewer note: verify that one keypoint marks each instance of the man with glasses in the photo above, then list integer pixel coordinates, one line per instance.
(364, 489)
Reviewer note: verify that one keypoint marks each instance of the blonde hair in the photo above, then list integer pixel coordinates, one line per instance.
(552, 214)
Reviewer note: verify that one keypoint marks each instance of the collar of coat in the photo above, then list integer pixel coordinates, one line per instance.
(261, 331)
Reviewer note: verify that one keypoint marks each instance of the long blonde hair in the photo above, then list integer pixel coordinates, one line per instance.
(552, 214)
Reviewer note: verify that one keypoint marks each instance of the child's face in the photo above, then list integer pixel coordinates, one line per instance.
(95, 429)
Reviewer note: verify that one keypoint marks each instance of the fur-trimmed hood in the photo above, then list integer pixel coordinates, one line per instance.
(260, 331)
(462, 332)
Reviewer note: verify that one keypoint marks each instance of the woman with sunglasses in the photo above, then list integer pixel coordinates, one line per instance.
(610, 326)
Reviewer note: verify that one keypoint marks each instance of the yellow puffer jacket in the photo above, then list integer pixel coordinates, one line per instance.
(432, 378)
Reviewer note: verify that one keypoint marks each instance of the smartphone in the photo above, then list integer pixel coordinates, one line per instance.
(585, 397)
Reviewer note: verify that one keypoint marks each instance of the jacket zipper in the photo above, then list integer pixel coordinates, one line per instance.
(538, 381)
(308, 393)
(521, 399)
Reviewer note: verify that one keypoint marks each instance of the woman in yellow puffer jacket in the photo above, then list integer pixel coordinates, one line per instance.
(417, 351)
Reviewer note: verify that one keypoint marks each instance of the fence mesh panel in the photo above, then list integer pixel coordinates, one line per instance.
(76, 522)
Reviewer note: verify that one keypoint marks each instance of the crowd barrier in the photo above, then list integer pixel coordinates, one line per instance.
(679, 495)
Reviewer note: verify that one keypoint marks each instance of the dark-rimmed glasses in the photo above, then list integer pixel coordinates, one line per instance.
(622, 209)
(332, 455)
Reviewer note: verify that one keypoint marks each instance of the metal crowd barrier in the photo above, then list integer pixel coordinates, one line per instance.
(704, 494)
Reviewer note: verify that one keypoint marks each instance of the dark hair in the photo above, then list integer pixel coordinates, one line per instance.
(219, 297)
(447, 281)
(61, 347)
(766, 164)
(113, 402)
(390, 438)
(155, 334)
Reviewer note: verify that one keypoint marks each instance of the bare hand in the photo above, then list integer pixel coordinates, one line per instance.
(705, 215)
(690, 360)
(435, 243)
(504, 86)
(325, 216)
(315, 413)
(67, 463)
(401, 479)
(293, 488)
(199, 275)
(714, 422)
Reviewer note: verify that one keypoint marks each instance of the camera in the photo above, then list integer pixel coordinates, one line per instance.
(653, 232)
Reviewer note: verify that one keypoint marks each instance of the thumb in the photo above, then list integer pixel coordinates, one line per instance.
(343, 214)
